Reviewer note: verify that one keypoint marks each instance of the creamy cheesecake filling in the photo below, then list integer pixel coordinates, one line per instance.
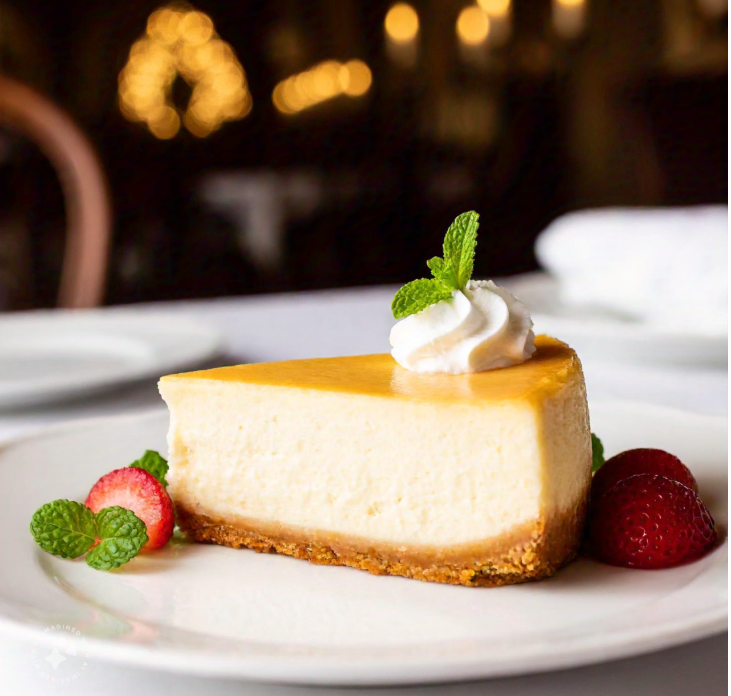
(410, 473)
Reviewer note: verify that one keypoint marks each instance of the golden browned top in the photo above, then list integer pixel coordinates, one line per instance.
(379, 375)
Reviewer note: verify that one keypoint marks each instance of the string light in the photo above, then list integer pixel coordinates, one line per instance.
(182, 41)
(322, 82)
(401, 23)
(473, 26)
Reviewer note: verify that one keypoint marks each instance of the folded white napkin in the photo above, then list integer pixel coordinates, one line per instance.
(664, 266)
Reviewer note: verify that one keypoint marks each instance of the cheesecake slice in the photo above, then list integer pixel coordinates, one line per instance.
(473, 479)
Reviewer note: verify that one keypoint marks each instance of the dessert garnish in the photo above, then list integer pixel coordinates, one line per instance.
(126, 511)
(452, 324)
(597, 454)
(69, 529)
(451, 273)
(641, 461)
(646, 512)
(139, 491)
(155, 463)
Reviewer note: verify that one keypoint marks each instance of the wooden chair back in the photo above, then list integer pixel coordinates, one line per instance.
(84, 185)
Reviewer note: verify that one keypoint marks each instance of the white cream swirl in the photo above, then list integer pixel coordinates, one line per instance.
(482, 328)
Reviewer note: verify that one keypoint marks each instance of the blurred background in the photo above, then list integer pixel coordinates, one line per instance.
(254, 146)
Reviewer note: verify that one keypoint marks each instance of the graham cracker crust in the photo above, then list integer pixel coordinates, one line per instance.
(529, 552)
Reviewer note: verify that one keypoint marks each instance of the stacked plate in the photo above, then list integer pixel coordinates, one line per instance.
(54, 355)
(597, 333)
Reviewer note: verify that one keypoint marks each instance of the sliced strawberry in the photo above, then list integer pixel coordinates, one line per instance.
(139, 491)
(640, 461)
(648, 521)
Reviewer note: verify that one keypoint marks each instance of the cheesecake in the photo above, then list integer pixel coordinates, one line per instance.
(476, 479)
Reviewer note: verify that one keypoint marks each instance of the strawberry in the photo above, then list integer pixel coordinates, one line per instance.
(139, 491)
(649, 521)
(640, 461)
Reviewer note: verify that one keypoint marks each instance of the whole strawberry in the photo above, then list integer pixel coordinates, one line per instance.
(649, 521)
(640, 461)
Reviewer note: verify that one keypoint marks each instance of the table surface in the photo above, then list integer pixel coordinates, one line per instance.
(347, 322)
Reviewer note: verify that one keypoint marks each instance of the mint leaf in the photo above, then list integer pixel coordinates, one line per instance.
(418, 295)
(459, 249)
(436, 265)
(64, 528)
(597, 454)
(122, 536)
(154, 463)
(69, 529)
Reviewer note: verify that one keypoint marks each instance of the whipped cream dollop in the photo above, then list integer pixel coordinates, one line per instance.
(481, 328)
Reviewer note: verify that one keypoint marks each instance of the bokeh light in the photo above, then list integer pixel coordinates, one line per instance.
(164, 123)
(402, 23)
(324, 81)
(358, 80)
(495, 8)
(473, 26)
(195, 28)
(182, 41)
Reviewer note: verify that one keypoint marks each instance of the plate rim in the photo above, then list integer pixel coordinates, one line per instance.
(304, 670)
(354, 673)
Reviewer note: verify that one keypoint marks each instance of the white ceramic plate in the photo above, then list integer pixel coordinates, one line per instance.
(50, 356)
(217, 611)
(597, 333)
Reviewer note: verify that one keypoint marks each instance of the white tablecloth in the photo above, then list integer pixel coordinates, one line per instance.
(358, 321)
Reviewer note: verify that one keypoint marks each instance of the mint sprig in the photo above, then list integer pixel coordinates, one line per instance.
(597, 454)
(69, 529)
(450, 273)
(154, 463)
(122, 535)
(64, 528)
